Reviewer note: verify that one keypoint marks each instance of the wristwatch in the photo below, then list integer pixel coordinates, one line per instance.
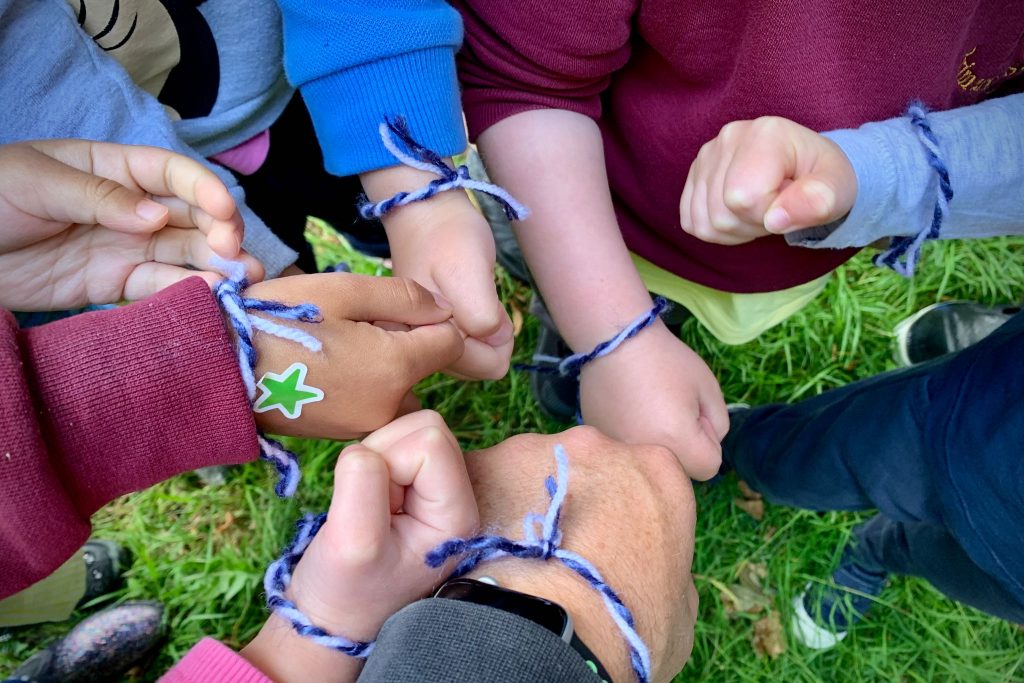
(545, 613)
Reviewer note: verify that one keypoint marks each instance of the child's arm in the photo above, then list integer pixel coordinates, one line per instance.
(397, 495)
(775, 176)
(653, 389)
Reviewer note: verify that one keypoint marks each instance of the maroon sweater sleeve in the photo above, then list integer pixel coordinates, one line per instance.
(104, 403)
(538, 54)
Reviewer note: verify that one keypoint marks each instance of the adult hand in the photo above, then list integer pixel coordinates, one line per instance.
(655, 389)
(630, 511)
(93, 223)
(766, 176)
(445, 244)
(366, 372)
(397, 495)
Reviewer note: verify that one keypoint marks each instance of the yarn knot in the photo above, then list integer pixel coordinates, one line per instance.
(908, 248)
(241, 312)
(395, 135)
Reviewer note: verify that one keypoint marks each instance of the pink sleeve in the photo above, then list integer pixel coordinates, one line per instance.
(538, 54)
(213, 662)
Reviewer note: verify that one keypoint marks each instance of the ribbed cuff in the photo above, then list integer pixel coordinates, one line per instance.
(348, 107)
(213, 662)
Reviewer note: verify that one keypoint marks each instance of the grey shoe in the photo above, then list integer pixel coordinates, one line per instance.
(105, 563)
(947, 327)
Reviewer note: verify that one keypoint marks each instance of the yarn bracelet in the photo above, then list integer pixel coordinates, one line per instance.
(395, 135)
(545, 546)
(472, 551)
(241, 310)
(908, 248)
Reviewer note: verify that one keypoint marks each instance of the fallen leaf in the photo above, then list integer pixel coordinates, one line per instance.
(752, 575)
(754, 508)
(770, 532)
(517, 318)
(229, 519)
(747, 492)
(739, 599)
(769, 639)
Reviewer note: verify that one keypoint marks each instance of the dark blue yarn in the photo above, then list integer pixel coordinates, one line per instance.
(449, 178)
(908, 248)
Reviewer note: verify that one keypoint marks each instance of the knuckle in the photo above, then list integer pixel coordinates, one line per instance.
(412, 291)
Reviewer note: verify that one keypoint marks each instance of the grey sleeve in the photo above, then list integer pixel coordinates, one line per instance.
(983, 147)
(56, 83)
(438, 641)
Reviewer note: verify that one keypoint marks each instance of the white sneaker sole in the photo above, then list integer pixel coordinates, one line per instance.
(807, 632)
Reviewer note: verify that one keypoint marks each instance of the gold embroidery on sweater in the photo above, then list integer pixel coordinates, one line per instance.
(969, 81)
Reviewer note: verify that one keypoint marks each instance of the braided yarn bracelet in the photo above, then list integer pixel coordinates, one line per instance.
(909, 248)
(395, 135)
(543, 546)
(240, 311)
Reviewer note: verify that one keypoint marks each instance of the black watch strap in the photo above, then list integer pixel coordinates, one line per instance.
(590, 658)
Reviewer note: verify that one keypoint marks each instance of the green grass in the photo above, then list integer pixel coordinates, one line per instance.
(202, 551)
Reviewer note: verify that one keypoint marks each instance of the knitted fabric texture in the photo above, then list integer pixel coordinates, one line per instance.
(472, 551)
(909, 248)
(240, 311)
(395, 135)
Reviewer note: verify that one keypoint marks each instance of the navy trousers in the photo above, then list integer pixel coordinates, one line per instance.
(904, 443)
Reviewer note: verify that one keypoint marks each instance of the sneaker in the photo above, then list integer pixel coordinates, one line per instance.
(105, 564)
(100, 648)
(947, 327)
(823, 614)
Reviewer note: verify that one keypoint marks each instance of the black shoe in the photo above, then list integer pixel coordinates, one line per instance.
(945, 328)
(509, 256)
(105, 564)
(103, 647)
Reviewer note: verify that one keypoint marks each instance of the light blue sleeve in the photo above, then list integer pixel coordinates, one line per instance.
(357, 62)
(56, 83)
(983, 147)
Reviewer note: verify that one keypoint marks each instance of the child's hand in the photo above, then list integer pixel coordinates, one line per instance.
(94, 223)
(365, 372)
(446, 245)
(655, 390)
(397, 495)
(767, 176)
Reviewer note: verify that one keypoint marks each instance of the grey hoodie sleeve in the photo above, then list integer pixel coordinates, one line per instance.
(983, 147)
(56, 83)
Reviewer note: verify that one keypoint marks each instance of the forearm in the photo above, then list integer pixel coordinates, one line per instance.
(553, 161)
(982, 146)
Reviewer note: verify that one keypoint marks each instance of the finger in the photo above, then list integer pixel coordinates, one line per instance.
(699, 218)
(756, 174)
(686, 200)
(438, 492)
(393, 432)
(149, 278)
(189, 247)
(71, 195)
(808, 201)
(391, 299)
(409, 404)
(481, 361)
(427, 349)
(701, 452)
(477, 309)
(149, 169)
(723, 221)
(224, 236)
(360, 516)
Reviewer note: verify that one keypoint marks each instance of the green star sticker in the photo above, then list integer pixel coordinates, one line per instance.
(287, 391)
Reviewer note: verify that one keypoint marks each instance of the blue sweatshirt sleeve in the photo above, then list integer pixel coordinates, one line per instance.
(56, 83)
(983, 147)
(357, 62)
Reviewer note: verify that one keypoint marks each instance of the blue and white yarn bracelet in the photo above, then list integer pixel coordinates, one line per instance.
(543, 546)
(395, 135)
(240, 311)
(571, 366)
(909, 248)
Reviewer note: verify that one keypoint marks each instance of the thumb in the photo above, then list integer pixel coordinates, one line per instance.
(814, 199)
(359, 519)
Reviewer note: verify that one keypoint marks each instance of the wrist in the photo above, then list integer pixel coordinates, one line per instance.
(285, 656)
(557, 583)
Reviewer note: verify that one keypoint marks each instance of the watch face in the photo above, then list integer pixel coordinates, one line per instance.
(538, 610)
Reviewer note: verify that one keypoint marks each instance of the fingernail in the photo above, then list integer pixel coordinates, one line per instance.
(822, 196)
(776, 219)
(148, 210)
(442, 302)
